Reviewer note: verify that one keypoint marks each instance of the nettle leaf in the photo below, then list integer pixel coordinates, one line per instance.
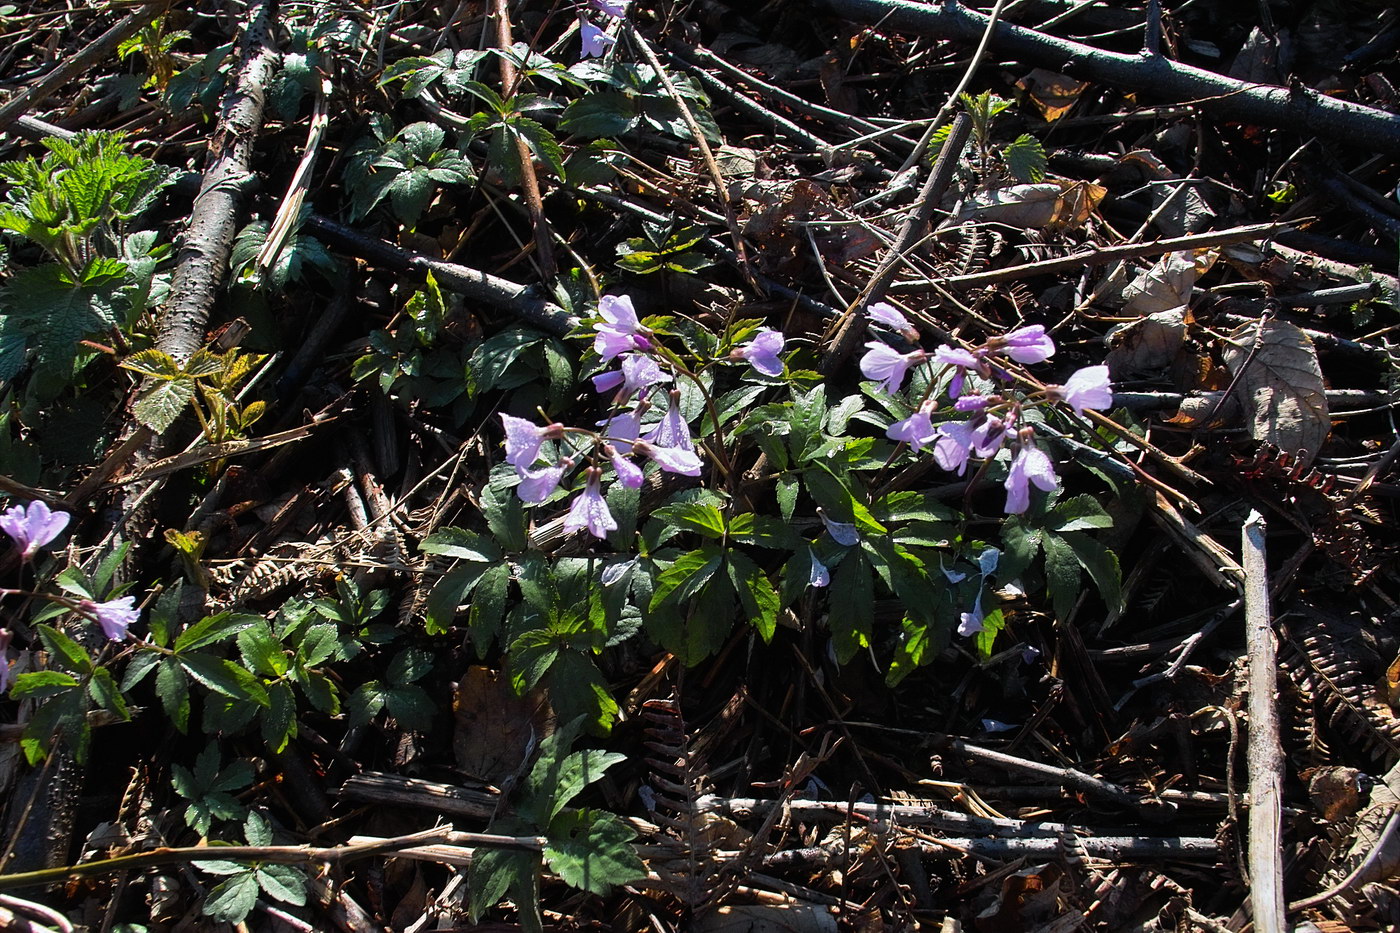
(1025, 158)
(592, 850)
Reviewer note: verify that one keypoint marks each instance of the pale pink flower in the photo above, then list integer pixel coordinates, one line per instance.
(1087, 388)
(762, 352)
(882, 312)
(115, 616)
(32, 526)
(538, 485)
(1031, 467)
(523, 440)
(917, 430)
(1025, 344)
(596, 42)
(883, 363)
(590, 510)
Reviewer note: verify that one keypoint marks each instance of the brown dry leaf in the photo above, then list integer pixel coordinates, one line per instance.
(1059, 204)
(1146, 345)
(1164, 286)
(1280, 386)
(1053, 94)
(494, 727)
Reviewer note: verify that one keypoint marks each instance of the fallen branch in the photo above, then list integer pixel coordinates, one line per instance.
(1264, 752)
(1300, 109)
(208, 240)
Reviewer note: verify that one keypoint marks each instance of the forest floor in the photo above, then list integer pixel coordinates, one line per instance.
(804, 465)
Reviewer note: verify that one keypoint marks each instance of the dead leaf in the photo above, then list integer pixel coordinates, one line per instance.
(1059, 204)
(1279, 383)
(1146, 345)
(1053, 94)
(494, 727)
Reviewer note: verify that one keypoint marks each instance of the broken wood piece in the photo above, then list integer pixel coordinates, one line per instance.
(1264, 752)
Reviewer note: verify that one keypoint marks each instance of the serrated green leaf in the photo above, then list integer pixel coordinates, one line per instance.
(1061, 575)
(66, 651)
(592, 850)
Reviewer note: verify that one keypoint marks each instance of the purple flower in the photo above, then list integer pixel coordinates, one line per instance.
(970, 623)
(538, 485)
(842, 533)
(964, 360)
(5, 636)
(606, 382)
(762, 352)
(620, 330)
(1030, 467)
(115, 615)
(638, 372)
(1025, 344)
(628, 473)
(523, 440)
(32, 527)
(818, 576)
(613, 8)
(1087, 388)
(884, 313)
(590, 510)
(917, 430)
(671, 459)
(885, 364)
(596, 42)
(671, 430)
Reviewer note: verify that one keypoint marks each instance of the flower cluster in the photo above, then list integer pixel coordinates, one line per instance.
(596, 40)
(984, 420)
(619, 439)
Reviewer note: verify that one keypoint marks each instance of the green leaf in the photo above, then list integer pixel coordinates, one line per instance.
(598, 114)
(285, 883)
(262, 652)
(1061, 575)
(173, 688)
(224, 677)
(1079, 513)
(756, 593)
(852, 600)
(592, 850)
(38, 685)
(462, 544)
(1102, 565)
(66, 651)
(213, 629)
(449, 592)
(232, 899)
(105, 693)
(686, 576)
(701, 517)
(1025, 158)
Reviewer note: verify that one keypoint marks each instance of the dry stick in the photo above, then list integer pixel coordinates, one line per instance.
(1298, 109)
(711, 166)
(278, 855)
(530, 181)
(1096, 257)
(208, 240)
(1264, 753)
(72, 66)
(847, 332)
